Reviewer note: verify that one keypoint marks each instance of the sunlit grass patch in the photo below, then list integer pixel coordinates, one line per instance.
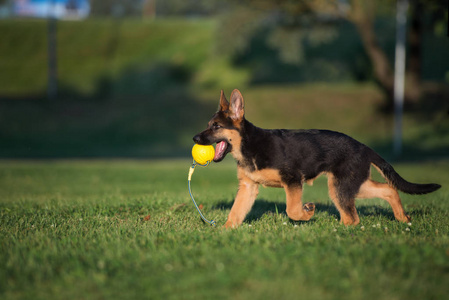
(123, 229)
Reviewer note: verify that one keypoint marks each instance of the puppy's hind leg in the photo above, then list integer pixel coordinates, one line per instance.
(344, 204)
(374, 189)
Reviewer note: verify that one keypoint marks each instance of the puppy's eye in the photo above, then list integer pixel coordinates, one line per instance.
(216, 126)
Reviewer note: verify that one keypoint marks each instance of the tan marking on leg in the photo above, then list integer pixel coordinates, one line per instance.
(374, 189)
(244, 200)
(295, 210)
(265, 177)
(346, 217)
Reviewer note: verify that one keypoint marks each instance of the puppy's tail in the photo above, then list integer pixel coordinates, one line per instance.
(397, 181)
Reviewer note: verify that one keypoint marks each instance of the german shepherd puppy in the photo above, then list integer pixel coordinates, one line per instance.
(290, 158)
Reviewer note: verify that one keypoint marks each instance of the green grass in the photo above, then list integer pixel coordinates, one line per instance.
(163, 124)
(112, 57)
(127, 229)
(94, 51)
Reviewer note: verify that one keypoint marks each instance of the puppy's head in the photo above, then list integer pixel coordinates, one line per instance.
(224, 127)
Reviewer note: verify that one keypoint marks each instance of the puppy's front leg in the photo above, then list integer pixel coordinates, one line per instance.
(244, 200)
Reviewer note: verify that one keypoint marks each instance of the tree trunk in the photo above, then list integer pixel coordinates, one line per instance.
(383, 72)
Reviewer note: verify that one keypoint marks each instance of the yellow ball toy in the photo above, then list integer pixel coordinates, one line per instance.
(203, 154)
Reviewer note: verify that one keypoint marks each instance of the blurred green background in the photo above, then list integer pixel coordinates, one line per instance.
(140, 78)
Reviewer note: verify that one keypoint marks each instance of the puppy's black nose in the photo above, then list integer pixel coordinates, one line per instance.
(197, 139)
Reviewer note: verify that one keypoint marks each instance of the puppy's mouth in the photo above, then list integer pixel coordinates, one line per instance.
(221, 149)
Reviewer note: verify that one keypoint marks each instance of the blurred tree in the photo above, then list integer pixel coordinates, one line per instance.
(415, 53)
(362, 14)
(292, 22)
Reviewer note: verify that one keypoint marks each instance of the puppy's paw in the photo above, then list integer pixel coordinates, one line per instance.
(230, 225)
(309, 208)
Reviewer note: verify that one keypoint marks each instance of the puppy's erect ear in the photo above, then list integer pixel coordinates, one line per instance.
(224, 104)
(237, 106)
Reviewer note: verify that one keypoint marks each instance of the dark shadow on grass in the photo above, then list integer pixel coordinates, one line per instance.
(262, 207)
(259, 208)
(363, 211)
(147, 111)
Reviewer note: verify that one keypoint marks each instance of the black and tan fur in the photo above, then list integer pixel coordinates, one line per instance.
(290, 158)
